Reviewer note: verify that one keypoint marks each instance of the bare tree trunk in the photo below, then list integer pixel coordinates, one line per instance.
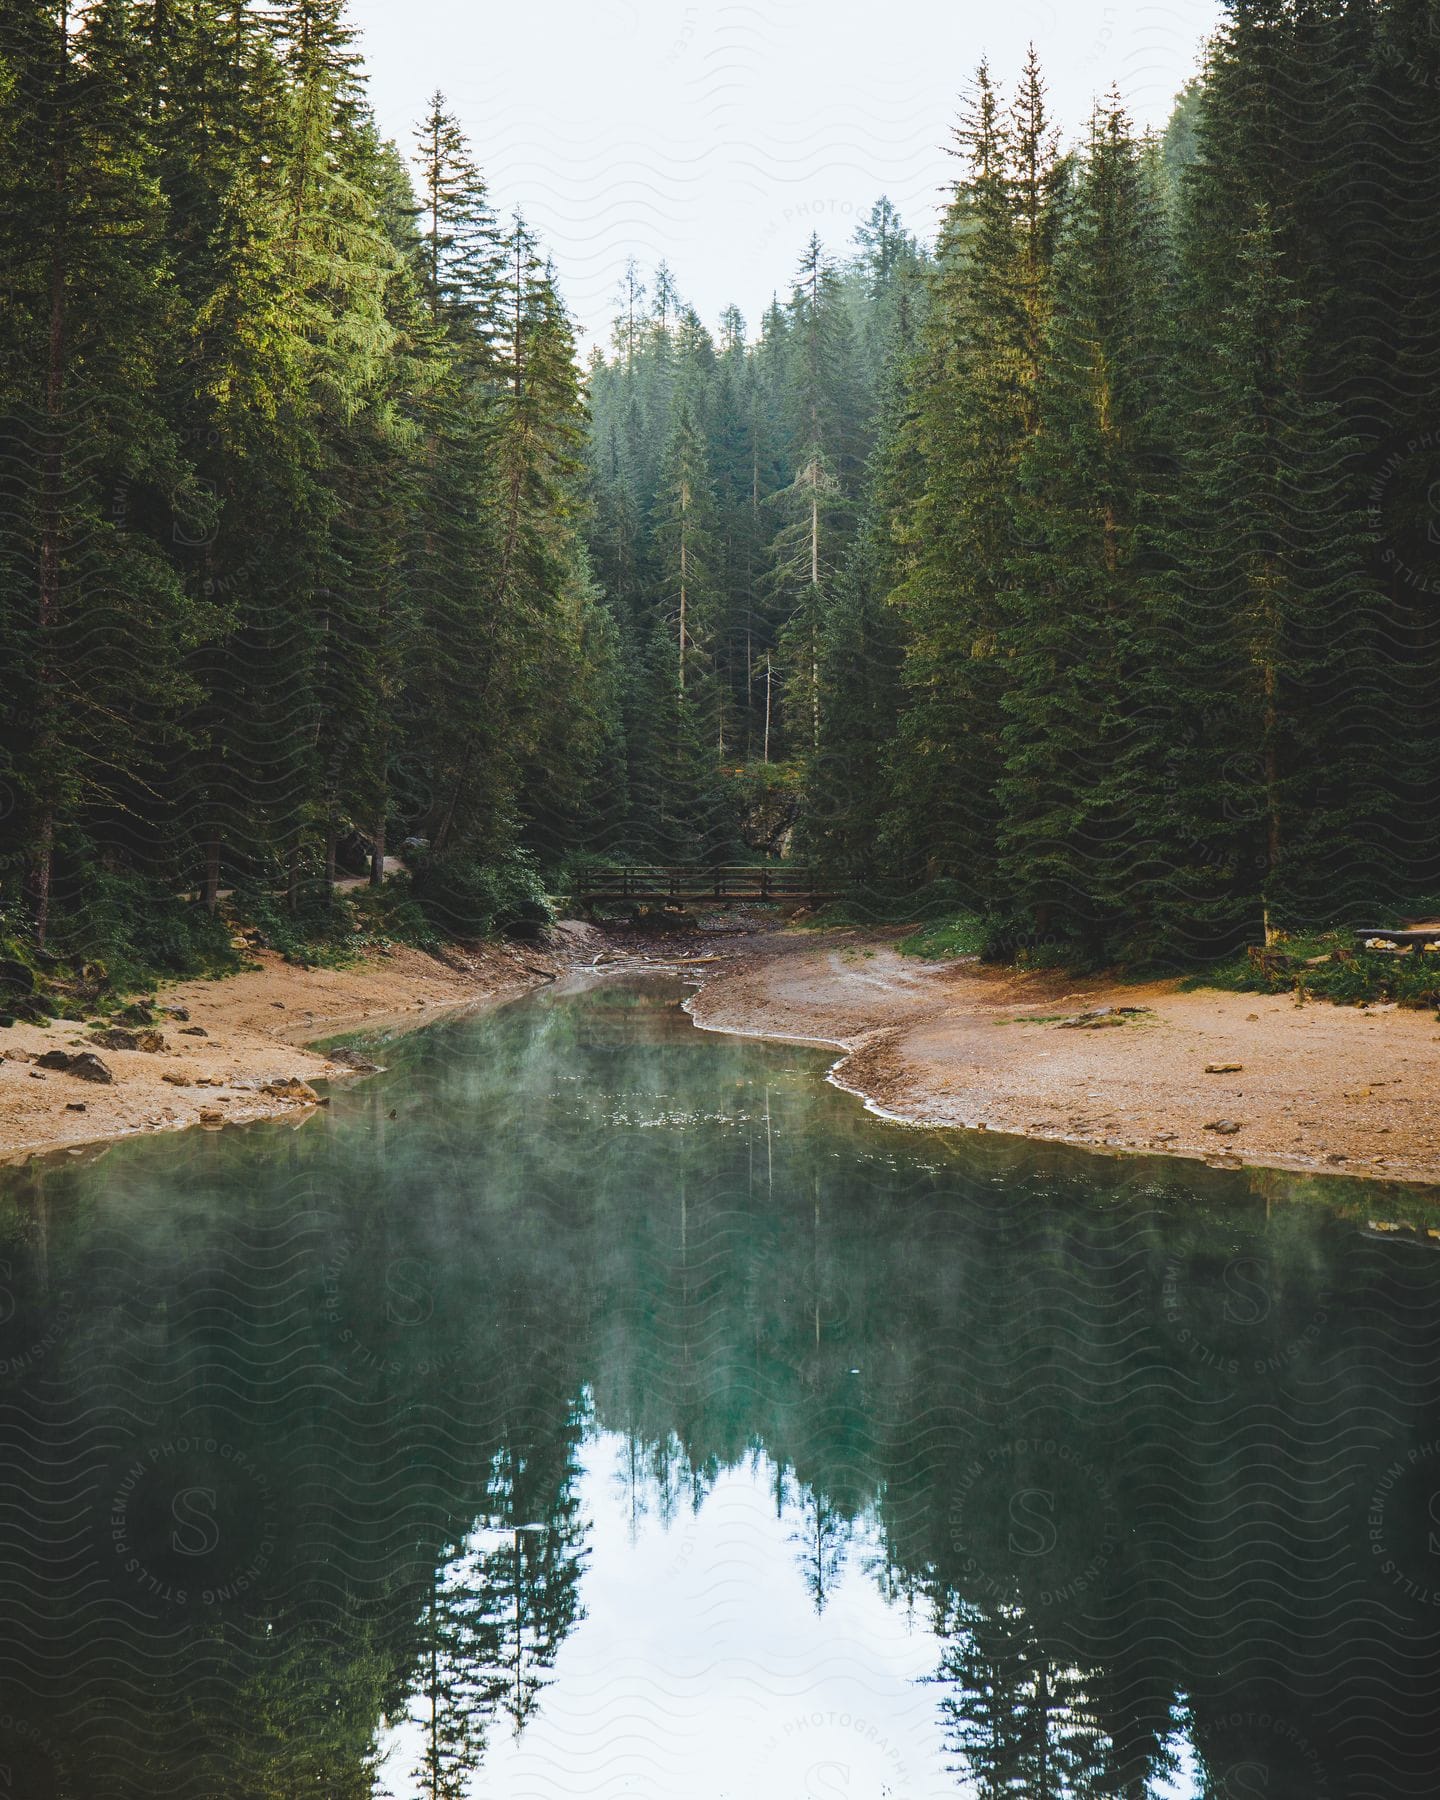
(767, 708)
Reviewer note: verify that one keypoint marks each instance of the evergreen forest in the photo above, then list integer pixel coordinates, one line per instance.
(1075, 569)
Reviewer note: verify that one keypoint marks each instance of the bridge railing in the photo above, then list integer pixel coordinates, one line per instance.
(726, 881)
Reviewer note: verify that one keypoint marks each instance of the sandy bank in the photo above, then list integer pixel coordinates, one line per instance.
(1316, 1087)
(255, 1026)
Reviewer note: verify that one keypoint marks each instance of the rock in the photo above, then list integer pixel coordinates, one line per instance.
(1224, 1068)
(176, 1080)
(292, 1089)
(54, 1059)
(7, 1021)
(278, 1004)
(116, 1038)
(180, 1014)
(90, 1068)
(352, 1059)
(1336, 1156)
(194, 1031)
(35, 1075)
(139, 1012)
(1166, 1137)
(20, 1056)
(210, 1115)
(151, 1042)
(1225, 1127)
(76, 1106)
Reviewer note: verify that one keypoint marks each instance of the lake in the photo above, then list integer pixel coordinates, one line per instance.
(589, 1405)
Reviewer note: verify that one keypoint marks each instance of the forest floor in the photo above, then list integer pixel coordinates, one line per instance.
(250, 1061)
(1312, 1086)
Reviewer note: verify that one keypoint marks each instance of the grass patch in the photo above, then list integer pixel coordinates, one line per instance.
(945, 939)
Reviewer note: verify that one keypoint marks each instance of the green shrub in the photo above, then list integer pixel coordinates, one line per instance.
(1328, 966)
(464, 897)
(960, 936)
(393, 914)
(318, 932)
(139, 932)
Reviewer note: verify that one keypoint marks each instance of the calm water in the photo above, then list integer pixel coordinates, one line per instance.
(592, 1406)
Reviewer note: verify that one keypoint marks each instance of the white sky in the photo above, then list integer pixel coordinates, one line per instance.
(719, 136)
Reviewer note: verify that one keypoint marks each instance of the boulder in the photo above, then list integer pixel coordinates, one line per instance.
(292, 1089)
(1224, 1127)
(352, 1059)
(54, 1059)
(116, 1038)
(90, 1068)
(151, 1042)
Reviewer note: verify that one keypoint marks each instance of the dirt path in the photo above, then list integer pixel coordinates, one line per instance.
(240, 1035)
(1315, 1087)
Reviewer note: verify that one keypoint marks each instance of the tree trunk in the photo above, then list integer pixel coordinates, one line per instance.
(1271, 724)
(44, 865)
(684, 574)
(377, 853)
(330, 863)
(211, 891)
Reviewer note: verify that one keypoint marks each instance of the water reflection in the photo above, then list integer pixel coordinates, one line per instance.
(336, 1447)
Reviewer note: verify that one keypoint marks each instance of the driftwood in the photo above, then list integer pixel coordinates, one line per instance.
(1383, 940)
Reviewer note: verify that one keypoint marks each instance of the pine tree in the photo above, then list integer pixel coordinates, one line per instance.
(1077, 629)
(974, 413)
(459, 249)
(94, 621)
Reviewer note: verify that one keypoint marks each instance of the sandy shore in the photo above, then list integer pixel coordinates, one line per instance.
(254, 1028)
(1314, 1087)
(1318, 1088)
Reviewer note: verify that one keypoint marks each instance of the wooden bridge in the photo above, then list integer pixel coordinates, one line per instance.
(725, 884)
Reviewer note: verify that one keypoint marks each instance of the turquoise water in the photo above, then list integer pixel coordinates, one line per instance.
(589, 1405)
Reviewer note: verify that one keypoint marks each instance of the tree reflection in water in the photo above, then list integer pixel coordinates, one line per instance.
(292, 1425)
